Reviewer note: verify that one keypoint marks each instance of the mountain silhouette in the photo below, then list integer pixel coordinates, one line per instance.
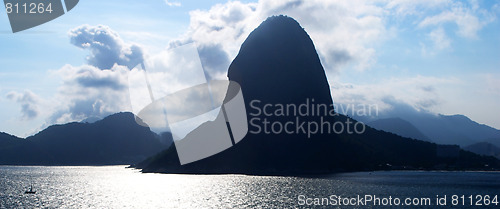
(494, 141)
(7, 140)
(278, 66)
(117, 139)
(280, 57)
(484, 148)
(443, 129)
(458, 129)
(400, 127)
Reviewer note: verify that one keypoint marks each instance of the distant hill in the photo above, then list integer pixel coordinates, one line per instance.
(457, 129)
(494, 141)
(442, 129)
(117, 139)
(484, 148)
(278, 64)
(398, 126)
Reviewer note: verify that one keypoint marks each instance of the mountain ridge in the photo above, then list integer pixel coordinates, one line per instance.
(484, 148)
(116, 139)
(443, 129)
(400, 127)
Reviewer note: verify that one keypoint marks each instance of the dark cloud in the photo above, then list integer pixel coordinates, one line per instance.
(337, 57)
(29, 111)
(28, 101)
(428, 88)
(427, 103)
(99, 82)
(106, 47)
(80, 109)
(213, 59)
(90, 78)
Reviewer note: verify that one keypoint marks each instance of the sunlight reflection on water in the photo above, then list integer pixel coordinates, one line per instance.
(117, 187)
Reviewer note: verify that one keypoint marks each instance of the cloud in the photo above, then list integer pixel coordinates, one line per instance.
(87, 91)
(106, 47)
(418, 94)
(467, 17)
(404, 8)
(214, 60)
(345, 33)
(172, 3)
(29, 103)
(439, 38)
(492, 82)
(221, 30)
(342, 31)
(167, 72)
(101, 87)
(440, 41)
(410, 98)
(97, 90)
(428, 88)
(496, 8)
(92, 78)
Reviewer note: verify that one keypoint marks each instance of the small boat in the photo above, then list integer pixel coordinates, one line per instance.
(30, 191)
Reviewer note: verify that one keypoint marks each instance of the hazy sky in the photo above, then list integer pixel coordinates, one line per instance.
(437, 56)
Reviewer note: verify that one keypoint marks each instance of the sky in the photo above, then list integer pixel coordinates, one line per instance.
(435, 56)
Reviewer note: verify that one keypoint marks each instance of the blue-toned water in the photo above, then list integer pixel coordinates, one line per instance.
(117, 187)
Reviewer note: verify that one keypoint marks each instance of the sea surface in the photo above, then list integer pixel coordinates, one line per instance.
(118, 187)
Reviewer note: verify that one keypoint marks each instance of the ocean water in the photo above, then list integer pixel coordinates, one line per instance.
(118, 187)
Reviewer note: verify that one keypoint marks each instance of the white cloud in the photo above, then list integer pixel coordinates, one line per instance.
(441, 41)
(90, 92)
(421, 93)
(29, 102)
(491, 81)
(167, 72)
(496, 8)
(343, 31)
(101, 87)
(221, 30)
(106, 47)
(468, 18)
(404, 8)
(172, 3)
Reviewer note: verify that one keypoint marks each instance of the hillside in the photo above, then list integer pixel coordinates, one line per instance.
(400, 127)
(117, 139)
